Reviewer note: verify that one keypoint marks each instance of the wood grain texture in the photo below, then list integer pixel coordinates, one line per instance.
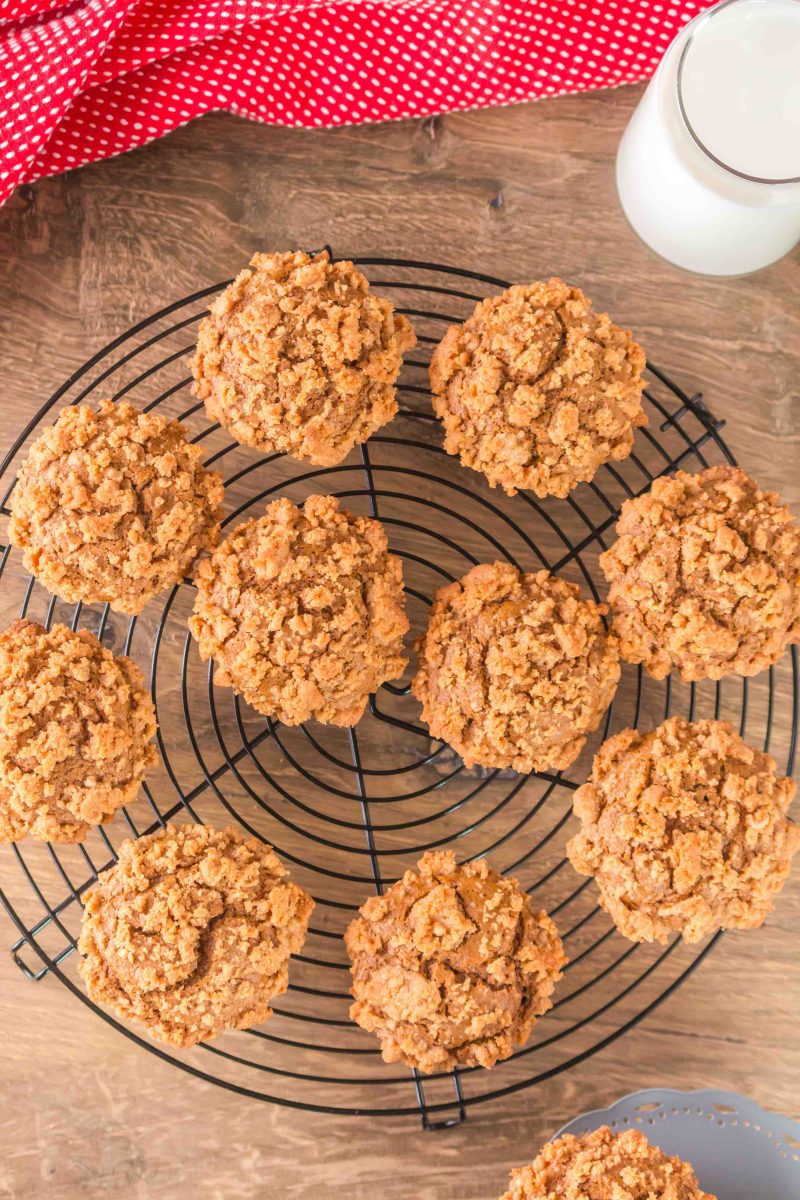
(522, 192)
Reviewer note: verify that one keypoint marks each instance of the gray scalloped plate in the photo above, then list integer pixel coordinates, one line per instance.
(738, 1150)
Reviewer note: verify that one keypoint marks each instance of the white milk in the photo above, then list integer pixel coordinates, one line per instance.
(708, 170)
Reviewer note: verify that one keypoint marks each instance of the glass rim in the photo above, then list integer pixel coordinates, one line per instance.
(699, 20)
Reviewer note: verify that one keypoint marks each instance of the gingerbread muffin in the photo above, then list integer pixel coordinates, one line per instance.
(705, 576)
(452, 966)
(515, 669)
(604, 1166)
(537, 390)
(302, 611)
(113, 506)
(298, 356)
(191, 932)
(684, 830)
(76, 730)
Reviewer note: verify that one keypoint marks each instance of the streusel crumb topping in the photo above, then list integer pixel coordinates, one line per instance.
(684, 830)
(191, 932)
(537, 390)
(298, 356)
(302, 611)
(452, 966)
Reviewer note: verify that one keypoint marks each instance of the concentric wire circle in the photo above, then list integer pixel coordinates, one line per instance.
(350, 810)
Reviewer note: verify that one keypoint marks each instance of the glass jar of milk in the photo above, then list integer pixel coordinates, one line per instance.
(708, 170)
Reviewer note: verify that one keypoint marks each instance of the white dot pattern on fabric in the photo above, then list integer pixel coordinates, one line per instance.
(81, 82)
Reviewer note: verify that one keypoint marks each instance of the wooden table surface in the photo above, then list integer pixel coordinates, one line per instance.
(522, 193)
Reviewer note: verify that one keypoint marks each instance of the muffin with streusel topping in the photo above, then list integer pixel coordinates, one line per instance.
(515, 669)
(113, 506)
(298, 356)
(191, 932)
(704, 576)
(603, 1165)
(76, 732)
(685, 830)
(452, 966)
(302, 611)
(537, 390)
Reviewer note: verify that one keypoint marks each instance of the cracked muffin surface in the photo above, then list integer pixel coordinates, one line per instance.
(191, 932)
(113, 506)
(603, 1165)
(515, 669)
(76, 730)
(537, 390)
(302, 611)
(705, 576)
(298, 356)
(684, 830)
(452, 965)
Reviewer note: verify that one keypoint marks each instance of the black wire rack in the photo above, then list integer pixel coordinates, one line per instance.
(350, 810)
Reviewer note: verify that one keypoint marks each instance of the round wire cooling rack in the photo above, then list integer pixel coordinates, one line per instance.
(350, 810)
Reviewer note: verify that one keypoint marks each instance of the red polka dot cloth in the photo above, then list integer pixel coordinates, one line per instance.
(86, 79)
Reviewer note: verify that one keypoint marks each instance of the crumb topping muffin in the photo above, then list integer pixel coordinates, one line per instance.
(684, 830)
(76, 730)
(705, 576)
(191, 932)
(113, 506)
(514, 669)
(302, 611)
(604, 1166)
(298, 356)
(452, 965)
(537, 390)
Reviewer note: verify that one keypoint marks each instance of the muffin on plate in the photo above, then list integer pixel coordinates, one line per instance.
(514, 670)
(191, 932)
(113, 506)
(302, 612)
(298, 356)
(452, 965)
(603, 1165)
(76, 730)
(684, 830)
(704, 576)
(537, 390)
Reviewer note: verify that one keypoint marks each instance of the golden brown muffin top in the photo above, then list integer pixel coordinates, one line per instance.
(515, 669)
(191, 932)
(452, 966)
(537, 390)
(684, 830)
(705, 576)
(76, 730)
(298, 356)
(113, 506)
(302, 611)
(604, 1166)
